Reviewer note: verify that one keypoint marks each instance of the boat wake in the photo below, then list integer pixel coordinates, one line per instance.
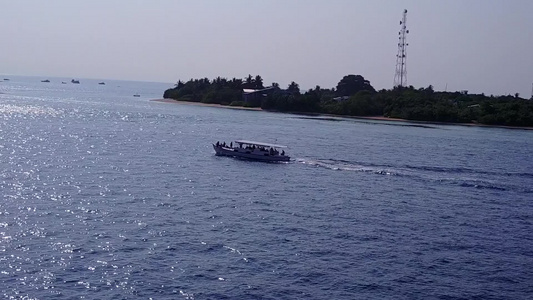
(340, 165)
(465, 177)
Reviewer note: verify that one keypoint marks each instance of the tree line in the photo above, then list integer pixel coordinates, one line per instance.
(355, 96)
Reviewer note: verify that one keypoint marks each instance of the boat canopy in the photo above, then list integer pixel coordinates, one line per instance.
(259, 144)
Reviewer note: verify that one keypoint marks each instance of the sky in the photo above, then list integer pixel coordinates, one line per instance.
(483, 46)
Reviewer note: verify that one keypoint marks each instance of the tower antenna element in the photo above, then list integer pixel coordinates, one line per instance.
(400, 78)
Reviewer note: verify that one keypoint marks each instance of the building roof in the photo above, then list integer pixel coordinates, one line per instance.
(251, 91)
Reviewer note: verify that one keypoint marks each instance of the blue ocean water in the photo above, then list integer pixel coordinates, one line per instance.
(109, 196)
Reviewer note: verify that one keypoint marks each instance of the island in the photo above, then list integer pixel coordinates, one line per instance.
(354, 96)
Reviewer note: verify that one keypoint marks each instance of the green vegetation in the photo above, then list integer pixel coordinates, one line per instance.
(354, 96)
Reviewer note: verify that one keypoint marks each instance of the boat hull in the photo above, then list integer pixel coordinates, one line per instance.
(250, 154)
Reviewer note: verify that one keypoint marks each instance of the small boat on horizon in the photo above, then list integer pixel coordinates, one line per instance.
(75, 81)
(252, 150)
(136, 95)
(101, 83)
(46, 80)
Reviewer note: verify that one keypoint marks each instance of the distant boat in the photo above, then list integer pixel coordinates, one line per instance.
(62, 82)
(46, 80)
(75, 81)
(101, 83)
(136, 95)
(6, 79)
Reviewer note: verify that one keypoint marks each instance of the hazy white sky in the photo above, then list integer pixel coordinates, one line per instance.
(476, 45)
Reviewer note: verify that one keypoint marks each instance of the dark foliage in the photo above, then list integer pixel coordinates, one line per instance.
(460, 107)
(219, 91)
(354, 96)
(351, 84)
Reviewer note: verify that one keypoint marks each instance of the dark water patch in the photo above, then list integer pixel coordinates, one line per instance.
(481, 185)
(321, 118)
(468, 171)
(383, 122)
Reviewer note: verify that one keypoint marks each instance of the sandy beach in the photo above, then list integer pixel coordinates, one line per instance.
(205, 104)
(375, 118)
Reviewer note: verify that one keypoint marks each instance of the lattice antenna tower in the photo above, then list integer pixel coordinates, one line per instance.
(400, 78)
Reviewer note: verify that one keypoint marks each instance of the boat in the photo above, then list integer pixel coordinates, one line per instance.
(136, 95)
(101, 83)
(46, 80)
(252, 150)
(75, 81)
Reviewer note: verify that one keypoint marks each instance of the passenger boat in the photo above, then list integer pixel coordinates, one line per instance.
(252, 150)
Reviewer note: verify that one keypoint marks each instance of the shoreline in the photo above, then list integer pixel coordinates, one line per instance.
(205, 104)
(319, 115)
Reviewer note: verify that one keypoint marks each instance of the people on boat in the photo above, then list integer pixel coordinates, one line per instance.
(260, 152)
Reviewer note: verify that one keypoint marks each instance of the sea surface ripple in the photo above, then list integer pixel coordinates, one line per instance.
(110, 196)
